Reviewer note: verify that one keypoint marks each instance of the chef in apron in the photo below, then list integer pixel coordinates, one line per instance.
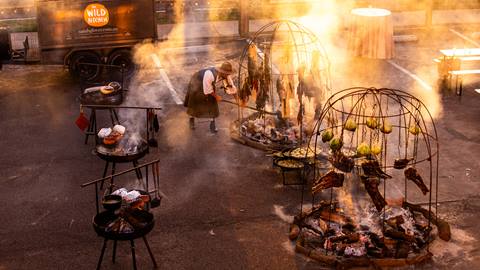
(202, 96)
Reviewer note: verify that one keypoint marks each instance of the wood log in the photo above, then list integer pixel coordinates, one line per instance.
(321, 257)
(348, 263)
(443, 227)
(391, 232)
(348, 238)
(420, 258)
(301, 249)
(294, 232)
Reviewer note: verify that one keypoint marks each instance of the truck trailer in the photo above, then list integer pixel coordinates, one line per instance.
(88, 35)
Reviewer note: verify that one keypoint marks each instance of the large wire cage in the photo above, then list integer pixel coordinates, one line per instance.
(377, 137)
(283, 73)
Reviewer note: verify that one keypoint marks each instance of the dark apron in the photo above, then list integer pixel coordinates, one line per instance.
(198, 104)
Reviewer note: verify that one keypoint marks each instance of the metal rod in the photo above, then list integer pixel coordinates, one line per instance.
(118, 174)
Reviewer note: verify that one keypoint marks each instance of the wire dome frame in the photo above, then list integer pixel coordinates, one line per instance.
(282, 58)
(359, 125)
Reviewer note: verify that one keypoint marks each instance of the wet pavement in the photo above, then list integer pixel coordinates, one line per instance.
(224, 206)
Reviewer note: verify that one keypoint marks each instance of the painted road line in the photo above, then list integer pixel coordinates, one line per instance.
(465, 37)
(166, 80)
(413, 76)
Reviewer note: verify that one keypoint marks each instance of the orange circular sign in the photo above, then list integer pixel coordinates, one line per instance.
(96, 15)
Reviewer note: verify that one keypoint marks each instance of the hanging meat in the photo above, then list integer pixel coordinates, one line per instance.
(285, 92)
(401, 163)
(253, 70)
(245, 92)
(329, 180)
(301, 89)
(372, 168)
(265, 78)
(371, 185)
(413, 175)
(342, 162)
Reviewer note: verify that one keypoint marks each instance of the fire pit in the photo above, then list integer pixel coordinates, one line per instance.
(283, 76)
(130, 148)
(373, 139)
(109, 95)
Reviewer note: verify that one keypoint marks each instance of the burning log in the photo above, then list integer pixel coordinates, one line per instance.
(329, 180)
(372, 168)
(413, 175)
(443, 227)
(371, 185)
(348, 238)
(396, 234)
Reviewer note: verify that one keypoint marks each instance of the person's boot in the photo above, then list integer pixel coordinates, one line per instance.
(213, 128)
(192, 123)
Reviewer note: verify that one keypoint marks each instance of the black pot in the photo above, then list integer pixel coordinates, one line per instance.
(112, 202)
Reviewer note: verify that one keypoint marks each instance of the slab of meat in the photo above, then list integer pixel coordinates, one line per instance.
(412, 175)
(371, 185)
(372, 168)
(342, 162)
(329, 180)
(401, 163)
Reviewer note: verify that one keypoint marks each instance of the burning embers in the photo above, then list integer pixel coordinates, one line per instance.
(395, 236)
(271, 131)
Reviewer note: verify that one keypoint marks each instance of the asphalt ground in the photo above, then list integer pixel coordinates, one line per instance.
(224, 206)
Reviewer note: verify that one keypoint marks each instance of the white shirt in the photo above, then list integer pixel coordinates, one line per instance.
(208, 79)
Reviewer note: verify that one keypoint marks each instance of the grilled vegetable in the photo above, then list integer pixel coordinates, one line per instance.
(386, 127)
(363, 149)
(376, 149)
(372, 123)
(414, 129)
(350, 125)
(327, 135)
(336, 144)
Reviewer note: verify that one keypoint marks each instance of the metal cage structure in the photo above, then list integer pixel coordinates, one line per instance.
(283, 72)
(371, 136)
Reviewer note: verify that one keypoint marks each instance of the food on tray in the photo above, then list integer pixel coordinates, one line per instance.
(290, 163)
(386, 127)
(327, 135)
(106, 90)
(350, 125)
(414, 129)
(363, 149)
(115, 85)
(302, 152)
(119, 128)
(112, 139)
(372, 123)
(104, 132)
(336, 144)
